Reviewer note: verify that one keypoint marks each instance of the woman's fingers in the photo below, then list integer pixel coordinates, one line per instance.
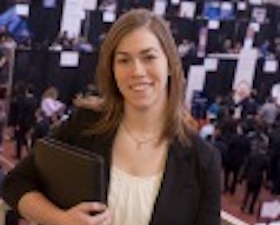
(103, 218)
(89, 213)
(92, 207)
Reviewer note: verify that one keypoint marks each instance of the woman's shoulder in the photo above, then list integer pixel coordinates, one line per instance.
(205, 153)
(81, 118)
(76, 124)
(85, 115)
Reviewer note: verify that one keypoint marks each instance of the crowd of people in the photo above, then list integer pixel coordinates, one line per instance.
(30, 116)
(249, 145)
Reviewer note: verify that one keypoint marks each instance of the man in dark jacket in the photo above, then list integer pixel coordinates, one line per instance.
(254, 170)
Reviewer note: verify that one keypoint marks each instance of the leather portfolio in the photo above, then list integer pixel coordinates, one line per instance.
(69, 175)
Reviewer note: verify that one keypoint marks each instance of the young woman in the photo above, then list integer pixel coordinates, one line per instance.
(157, 170)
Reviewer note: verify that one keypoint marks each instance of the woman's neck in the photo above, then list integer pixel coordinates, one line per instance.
(144, 121)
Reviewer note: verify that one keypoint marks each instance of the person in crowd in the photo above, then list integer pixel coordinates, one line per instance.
(236, 47)
(277, 47)
(157, 170)
(4, 70)
(265, 48)
(40, 128)
(208, 129)
(186, 48)
(25, 105)
(229, 101)
(88, 98)
(249, 106)
(274, 153)
(268, 112)
(254, 173)
(3, 119)
(93, 101)
(215, 107)
(227, 46)
(220, 144)
(226, 121)
(51, 107)
(238, 150)
(81, 44)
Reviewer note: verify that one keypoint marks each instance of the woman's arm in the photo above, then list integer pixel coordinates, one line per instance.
(22, 190)
(35, 207)
(21, 179)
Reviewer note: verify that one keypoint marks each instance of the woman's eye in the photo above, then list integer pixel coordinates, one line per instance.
(149, 57)
(122, 60)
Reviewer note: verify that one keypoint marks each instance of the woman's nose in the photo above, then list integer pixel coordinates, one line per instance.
(138, 68)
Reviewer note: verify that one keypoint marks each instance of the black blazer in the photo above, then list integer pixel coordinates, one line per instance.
(189, 192)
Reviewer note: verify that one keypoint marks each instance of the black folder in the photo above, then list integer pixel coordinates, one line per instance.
(69, 175)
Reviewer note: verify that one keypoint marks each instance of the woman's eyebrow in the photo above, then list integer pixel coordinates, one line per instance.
(144, 51)
(148, 50)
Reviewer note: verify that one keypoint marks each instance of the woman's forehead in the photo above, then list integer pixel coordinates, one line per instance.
(139, 40)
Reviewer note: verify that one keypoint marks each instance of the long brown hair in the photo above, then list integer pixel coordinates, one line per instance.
(114, 103)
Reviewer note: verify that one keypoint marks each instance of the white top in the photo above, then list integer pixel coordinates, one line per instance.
(131, 198)
(50, 106)
(207, 130)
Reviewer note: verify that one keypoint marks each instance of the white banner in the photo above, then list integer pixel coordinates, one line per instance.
(187, 9)
(69, 59)
(196, 80)
(73, 13)
(90, 4)
(160, 7)
(245, 72)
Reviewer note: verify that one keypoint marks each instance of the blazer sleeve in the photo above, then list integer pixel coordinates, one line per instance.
(20, 180)
(210, 201)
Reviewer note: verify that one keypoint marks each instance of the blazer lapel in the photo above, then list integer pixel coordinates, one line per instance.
(177, 187)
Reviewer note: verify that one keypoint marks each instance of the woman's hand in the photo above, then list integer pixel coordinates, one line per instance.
(86, 213)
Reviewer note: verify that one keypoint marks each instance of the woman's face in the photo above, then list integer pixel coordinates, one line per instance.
(141, 70)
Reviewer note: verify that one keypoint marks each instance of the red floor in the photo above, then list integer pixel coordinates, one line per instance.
(232, 203)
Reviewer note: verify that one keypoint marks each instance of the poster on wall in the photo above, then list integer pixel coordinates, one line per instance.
(213, 24)
(69, 59)
(211, 64)
(187, 10)
(108, 17)
(275, 93)
(226, 11)
(160, 7)
(49, 4)
(22, 10)
(241, 6)
(196, 80)
(245, 73)
(256, 2)
(73, 14)
(270, 66)
(109, 9)
(90, 5)
(175, 2)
